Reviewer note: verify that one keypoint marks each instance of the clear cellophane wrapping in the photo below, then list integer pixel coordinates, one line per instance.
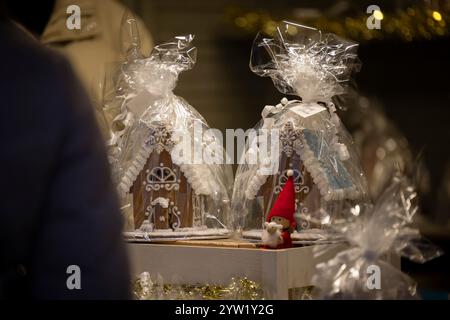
(375, 232)
(152, 144)
(309, 136)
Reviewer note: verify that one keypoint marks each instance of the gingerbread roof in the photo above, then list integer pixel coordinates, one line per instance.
(199, 176)
(328, 171)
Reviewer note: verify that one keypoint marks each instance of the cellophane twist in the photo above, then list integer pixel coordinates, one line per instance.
(361, 271)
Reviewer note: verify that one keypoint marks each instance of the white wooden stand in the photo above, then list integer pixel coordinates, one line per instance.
(276, 270)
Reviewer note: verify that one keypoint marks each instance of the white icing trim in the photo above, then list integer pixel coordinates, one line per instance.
(199, 176)
(133, 171)
(312, 164)
(318, 176)
(255, 183)
(163, 202)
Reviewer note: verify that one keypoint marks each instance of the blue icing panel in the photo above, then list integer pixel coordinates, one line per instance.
(335, 171)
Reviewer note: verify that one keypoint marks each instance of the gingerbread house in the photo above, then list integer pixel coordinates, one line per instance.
(165, 195)
(310, 139)
(172, 199)
(326, 175)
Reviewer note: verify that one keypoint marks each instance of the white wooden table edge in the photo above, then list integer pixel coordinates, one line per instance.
(276, 270)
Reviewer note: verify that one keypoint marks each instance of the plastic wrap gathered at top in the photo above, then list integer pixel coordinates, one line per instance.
(159, 149)
(362, 271)
(302, 61)
(305, 135)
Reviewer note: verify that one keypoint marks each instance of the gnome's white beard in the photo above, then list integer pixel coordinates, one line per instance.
(273, 238)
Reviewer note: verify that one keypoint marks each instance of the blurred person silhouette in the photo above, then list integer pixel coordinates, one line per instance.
(97, 43)
(58, 206)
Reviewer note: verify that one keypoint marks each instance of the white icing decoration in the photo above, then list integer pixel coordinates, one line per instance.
(199, 176)
(342, 151)
(163, 202)
(292, 140)
(287, 138)
(299, 186)
(161, 178)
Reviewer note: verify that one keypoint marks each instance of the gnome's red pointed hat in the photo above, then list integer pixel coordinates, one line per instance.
(285, 204)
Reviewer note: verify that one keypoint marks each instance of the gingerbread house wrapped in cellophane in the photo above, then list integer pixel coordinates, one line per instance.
(304, 135)
(169, 187)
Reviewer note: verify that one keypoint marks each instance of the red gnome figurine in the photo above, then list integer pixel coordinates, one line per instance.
(282, 213)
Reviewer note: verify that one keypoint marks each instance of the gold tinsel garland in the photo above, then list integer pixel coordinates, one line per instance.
(412, 23)
(146, 288)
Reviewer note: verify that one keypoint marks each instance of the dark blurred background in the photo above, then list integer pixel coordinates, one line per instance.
(405, 75)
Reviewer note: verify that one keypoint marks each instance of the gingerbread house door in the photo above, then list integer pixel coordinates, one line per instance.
(158, 212)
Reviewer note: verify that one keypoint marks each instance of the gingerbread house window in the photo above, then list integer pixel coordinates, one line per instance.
(161, 177)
